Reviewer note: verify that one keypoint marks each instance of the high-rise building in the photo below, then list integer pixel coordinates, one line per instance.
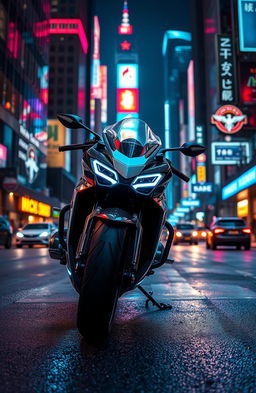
(224, 53)
(24, 44)
(127, 93)
(177, 55)
(68, 90)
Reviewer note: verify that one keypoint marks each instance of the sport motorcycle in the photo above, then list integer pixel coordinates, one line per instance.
(115, 218)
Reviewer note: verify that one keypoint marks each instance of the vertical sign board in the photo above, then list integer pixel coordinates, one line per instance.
(225, 69)
(56, 137)
(247, 25)
(201, 159)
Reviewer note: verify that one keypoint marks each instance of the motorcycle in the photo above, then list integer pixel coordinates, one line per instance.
(116, 217)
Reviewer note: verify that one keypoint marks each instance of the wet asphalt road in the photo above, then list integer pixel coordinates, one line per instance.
(206, 343)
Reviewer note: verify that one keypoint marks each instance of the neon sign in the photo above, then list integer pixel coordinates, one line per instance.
(32, 206)
(69, 26)
(125, 45)
(244, 181)
(127, 75)
(127, 100)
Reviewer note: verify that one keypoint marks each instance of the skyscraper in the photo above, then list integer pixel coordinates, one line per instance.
(24, 44)
(68, 90)
(127, 94)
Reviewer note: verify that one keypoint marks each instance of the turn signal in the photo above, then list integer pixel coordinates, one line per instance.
(218, 230)
(247, 230)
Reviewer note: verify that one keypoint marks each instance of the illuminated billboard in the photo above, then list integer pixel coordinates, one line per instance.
(127, 75)
(247, 25)
(248, 82)
(127, 100)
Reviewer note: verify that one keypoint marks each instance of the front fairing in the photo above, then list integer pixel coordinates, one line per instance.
(131, 145)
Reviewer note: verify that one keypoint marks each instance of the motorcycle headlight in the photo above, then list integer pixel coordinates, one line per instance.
(104, 172)
(44, 234)
(146, 181)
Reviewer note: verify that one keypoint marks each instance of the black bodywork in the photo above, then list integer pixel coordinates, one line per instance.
(143, 212)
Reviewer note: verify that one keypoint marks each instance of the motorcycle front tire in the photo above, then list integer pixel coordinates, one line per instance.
(101, 281)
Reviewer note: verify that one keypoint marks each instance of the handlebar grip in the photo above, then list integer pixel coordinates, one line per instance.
(79, 146)
(180, 174)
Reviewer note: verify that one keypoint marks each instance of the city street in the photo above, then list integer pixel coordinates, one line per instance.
(206, 343)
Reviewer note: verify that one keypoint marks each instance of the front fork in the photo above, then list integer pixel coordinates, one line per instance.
(119, 217)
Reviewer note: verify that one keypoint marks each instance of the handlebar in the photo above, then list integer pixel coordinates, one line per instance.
(79, 146)
(180, 174)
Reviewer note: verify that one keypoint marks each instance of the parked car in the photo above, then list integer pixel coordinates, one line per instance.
(5, 232)
(34, 234)
(228, 231)
(185, 233)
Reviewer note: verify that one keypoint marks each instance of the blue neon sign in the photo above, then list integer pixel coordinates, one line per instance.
(247, 25)
(239, 184)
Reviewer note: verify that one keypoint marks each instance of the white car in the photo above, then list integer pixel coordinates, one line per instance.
(36, 233)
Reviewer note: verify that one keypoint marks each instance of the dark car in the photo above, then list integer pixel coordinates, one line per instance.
(185, 233)
(228, 231)
(5, 232)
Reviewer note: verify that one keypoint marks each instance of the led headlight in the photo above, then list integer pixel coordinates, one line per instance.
(44, 234)
(146, 181)
(19, 234)
(105, 172)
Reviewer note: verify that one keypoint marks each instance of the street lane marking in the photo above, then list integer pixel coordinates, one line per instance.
(245, 274)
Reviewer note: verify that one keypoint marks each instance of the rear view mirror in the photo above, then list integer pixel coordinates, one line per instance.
(192, 149)
(70, 121)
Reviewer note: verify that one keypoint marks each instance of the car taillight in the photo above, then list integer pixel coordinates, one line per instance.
(218, 230)
(247, 230)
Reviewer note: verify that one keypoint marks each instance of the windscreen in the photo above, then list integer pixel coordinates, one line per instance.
(230, 223)
(36, 226)
(133, 137)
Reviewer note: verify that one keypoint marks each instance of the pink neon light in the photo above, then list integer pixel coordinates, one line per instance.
(13, 40)
(3, 152)
(125, 29)
(69, 26)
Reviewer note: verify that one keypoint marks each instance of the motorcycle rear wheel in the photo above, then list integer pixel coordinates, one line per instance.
(101, 282)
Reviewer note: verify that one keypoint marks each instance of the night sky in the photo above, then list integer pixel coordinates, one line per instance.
(150, 19)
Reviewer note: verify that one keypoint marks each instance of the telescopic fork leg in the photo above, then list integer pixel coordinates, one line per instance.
(161, 306)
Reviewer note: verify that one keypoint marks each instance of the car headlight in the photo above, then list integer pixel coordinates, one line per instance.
(204, 234)
(105, 172)
(44, 234)
(194, 233)
(146, 181)
(19, 234)
(178, 234)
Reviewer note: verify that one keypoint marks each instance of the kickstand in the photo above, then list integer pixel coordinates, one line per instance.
(161, 306)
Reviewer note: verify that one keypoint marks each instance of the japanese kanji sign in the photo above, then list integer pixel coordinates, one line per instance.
(226, 69)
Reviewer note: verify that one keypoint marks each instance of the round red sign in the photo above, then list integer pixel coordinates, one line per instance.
(229, 119)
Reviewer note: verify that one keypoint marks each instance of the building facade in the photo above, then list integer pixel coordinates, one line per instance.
(24, 44)
(224, 53)
(176, 52)
(69, 90)
(127, 69)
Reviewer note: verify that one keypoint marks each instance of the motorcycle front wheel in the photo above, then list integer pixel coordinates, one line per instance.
(101, 281)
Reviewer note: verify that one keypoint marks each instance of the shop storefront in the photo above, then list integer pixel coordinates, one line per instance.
(239, 198)
(22, 205)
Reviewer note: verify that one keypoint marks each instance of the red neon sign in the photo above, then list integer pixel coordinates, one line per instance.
(125, 45)
(69, 26)
(127, 100)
